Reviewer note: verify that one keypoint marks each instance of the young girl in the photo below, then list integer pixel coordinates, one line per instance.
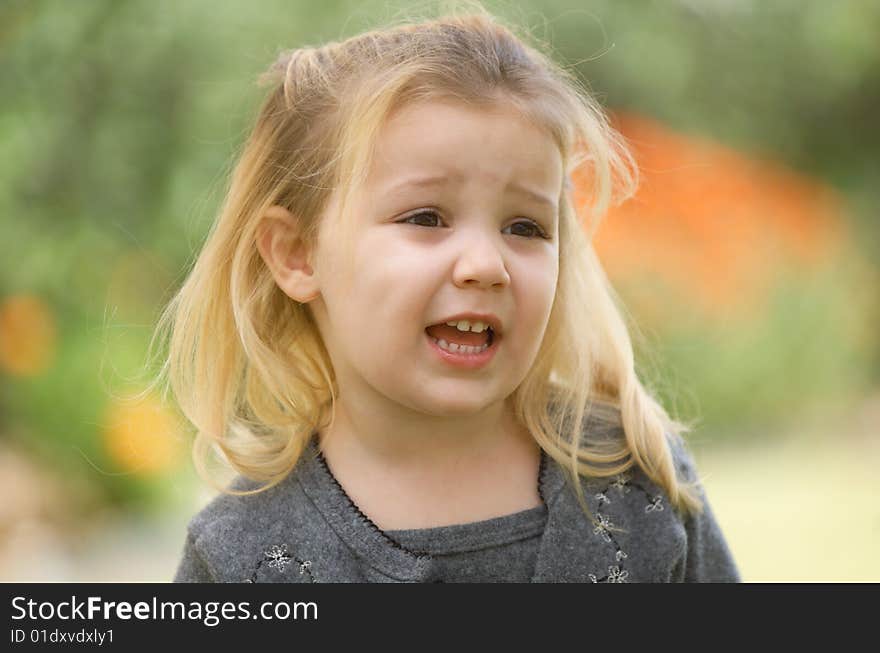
(399, 335)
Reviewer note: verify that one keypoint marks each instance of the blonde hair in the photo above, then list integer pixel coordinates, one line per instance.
(247, 364)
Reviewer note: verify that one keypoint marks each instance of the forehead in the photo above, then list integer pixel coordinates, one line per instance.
(464, 143)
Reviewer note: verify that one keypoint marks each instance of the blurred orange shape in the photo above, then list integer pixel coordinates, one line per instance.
(27, 335)
(714, 225)
(142, 436)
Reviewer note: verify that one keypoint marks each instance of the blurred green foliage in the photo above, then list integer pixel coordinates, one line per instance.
(119, 121)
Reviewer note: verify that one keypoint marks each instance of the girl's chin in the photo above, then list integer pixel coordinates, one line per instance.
(457, 404)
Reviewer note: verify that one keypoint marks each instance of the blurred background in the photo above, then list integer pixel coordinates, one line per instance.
(748, 261)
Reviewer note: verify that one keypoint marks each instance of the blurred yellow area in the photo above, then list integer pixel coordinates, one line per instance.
(142, 436)
(28, 335)
(801, 505)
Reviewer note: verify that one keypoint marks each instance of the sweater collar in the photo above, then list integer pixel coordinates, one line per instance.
(372, 545)
(352, 526)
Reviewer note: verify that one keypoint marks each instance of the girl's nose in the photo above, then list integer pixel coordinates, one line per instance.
(480, 264)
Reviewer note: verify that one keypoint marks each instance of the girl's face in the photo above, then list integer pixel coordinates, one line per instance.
(459, 215)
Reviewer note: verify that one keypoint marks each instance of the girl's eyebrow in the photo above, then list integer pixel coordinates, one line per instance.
(442, 180)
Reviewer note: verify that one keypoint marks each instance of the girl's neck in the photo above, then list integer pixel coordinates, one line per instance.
(405, 439)
(404, 478)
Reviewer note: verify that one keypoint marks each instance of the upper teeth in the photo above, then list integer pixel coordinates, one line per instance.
(464, 325)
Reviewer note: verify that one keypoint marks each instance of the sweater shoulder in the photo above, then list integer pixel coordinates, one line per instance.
(230, 515)
(232, 534)
(225, 504)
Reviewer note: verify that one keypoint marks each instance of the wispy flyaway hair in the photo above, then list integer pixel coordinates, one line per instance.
(246, 362)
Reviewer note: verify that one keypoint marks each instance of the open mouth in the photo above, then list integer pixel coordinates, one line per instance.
(462, 342)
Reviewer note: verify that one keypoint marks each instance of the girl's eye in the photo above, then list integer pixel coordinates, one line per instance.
(523, 228)
(531, 229)
(423, 217)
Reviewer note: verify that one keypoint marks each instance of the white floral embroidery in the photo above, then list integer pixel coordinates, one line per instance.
(624, 483)
(655, 504)
(616, 575)
(602, 527)
(278, 557)
(304, 567)
(620, 482)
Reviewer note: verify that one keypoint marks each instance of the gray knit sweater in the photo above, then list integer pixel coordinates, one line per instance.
(306, 529)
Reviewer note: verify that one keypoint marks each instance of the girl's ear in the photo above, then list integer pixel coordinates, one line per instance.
(286, 255)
